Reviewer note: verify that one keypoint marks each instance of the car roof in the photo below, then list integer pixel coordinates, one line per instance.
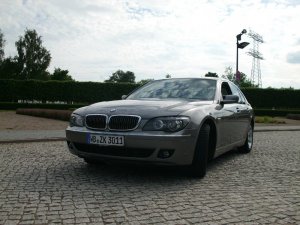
(200, 78)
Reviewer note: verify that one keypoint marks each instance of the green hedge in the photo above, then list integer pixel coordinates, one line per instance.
(14, 106)
(90, 92)
(68, 91)
(273, 98)
(270, 112)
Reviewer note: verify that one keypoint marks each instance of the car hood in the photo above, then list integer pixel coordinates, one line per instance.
(143, 108)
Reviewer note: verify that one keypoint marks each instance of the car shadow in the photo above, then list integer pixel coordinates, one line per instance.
(154, 174)
(71, 174)
(223, 159)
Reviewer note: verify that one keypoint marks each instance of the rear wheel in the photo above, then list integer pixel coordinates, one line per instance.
(198, 168)
(247, 147)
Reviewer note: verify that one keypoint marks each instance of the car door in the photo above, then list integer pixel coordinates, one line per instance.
(242, 114)
(225, 117)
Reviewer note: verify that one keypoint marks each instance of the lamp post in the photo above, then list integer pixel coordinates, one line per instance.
(241, 46)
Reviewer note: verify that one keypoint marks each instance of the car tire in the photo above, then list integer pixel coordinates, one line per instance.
(201, 153)
(247, 147)
(93, 161)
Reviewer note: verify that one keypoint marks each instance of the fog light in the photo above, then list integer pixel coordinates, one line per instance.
(165, 153)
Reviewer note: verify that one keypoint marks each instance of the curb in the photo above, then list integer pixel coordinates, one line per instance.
(276, 130)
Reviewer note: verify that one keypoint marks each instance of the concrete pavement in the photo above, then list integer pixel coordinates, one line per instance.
(266, 128)
(14, 136)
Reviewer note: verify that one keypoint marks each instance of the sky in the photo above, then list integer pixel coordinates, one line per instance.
(152, 38)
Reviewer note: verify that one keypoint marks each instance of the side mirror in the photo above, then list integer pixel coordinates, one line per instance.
(124, 97)
(230, 99)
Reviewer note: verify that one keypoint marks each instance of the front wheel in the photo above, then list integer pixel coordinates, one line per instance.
(198, 168)
(247, 147)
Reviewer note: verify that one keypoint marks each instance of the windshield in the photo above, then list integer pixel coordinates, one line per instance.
(197, 89)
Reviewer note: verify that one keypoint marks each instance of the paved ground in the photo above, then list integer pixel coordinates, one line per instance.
(41, 183)
(20, 128)
(31, 135)
(9, 120)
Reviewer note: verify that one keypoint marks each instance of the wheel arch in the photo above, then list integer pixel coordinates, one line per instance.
(212, 136)
(252, 123)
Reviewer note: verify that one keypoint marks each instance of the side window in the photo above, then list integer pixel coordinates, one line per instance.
(225, 89)
(236, 91)
(243, 97)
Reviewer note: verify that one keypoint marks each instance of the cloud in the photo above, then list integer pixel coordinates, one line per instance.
(294, 57)
(92, 39)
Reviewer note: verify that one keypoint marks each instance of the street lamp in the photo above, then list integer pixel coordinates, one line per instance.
(241, 46)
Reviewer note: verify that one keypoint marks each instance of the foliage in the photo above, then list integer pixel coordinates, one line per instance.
(276, 112)
(33, 59)
(88, 92)
(60, 74)
(8, 69)
(210, 74)
(7, 65)
(15, 105)
(272, 98)
(66, 91)
(31, 62)
(243, 82)
(121, 77)
(142, 82)
(228, 74)
(2, 43)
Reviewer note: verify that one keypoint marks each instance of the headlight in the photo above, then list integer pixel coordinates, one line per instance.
(168, 124)
(76, 120)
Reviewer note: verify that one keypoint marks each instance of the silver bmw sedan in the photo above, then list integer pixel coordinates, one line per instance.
(184, 121)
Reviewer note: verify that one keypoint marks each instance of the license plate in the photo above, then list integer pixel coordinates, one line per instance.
(105, 140)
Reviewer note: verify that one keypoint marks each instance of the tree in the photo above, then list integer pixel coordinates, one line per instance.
(228, 74)
(142, 82)
(210, 74)
(168, 76)
(9, 69)
(33, 59)
(244, 81)
(2, 43)
(60, 74)
(121, 77)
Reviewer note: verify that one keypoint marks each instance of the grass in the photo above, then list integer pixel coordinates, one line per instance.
(268, 119)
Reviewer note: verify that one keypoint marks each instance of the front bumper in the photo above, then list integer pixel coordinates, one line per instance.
(140, 146)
